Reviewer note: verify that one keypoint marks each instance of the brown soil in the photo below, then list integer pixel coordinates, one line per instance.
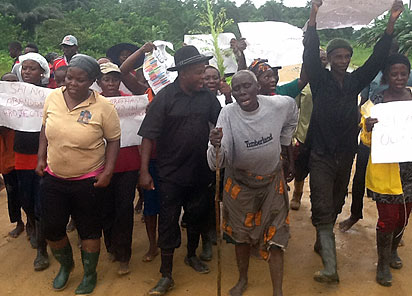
(356, 260)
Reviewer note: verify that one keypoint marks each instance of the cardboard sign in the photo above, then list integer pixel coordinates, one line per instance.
(21, 108)
(335, 14)
(279, 43)
(392, 135)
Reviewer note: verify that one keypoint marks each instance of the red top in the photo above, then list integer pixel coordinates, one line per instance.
(59, 63)
(25, 161)
(128, 159)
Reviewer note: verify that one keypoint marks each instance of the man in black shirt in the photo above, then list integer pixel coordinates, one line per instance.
(179, 120)
(333, 131)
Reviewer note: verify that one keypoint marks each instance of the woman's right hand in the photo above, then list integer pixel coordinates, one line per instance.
(146, 181)
(41, 166)
(215, 136)
(369, 123)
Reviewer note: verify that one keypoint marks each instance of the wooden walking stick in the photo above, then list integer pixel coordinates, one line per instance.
(218, 226)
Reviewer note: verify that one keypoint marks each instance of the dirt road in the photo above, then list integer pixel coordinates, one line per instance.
(356, 260)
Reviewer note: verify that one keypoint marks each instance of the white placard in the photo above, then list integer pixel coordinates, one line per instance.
(21, 108)
(279, 43)
(204, 43)
(335, 14)
(392, 135)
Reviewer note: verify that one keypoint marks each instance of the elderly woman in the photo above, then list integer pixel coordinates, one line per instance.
(389, 184)
(76, 165)
(250, 133)
(34, 69)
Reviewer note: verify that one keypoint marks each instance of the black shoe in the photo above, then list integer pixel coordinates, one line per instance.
(163, 285)
(196, 264)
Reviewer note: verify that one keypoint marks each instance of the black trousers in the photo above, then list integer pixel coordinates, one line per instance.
(329, 179)
(80, 199)
(195, 202)
(13, 199)
(29, 192)
(358, 182)
(301, 162)
(118, 215)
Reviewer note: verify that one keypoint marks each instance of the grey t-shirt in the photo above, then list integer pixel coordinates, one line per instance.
(252, 140)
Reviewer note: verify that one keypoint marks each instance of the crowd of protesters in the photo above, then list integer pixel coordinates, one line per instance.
(74, 174)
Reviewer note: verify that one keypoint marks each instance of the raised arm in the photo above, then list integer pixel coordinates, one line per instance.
(311, 54)
(131, 81)
(365, 74)
(238, 46)
(396, 10)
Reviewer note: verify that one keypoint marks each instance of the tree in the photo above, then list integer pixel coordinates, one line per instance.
(29, 13)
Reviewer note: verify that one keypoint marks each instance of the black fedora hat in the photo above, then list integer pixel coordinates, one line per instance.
(113, 53)
(188, 55)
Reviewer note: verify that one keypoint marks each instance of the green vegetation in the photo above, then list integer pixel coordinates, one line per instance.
(5, 62)
(360, 55)
(99, 24)
(403, 32)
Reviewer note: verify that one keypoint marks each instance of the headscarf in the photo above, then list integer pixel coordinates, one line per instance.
(259, 66)
(38, 58)
(87, 64)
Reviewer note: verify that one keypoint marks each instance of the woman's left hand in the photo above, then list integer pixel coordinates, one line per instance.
(102, 180)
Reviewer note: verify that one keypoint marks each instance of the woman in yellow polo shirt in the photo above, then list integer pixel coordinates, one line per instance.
(389, 184)
(79, 143)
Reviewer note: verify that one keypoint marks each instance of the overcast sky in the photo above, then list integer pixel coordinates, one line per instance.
(292, 3)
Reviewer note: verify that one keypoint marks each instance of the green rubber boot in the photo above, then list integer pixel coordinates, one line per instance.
(90, 275)
(328, 253)
(65, 257)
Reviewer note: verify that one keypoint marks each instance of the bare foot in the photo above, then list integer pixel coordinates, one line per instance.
(150, 255)
(71, 226)
(347, 224)
(18, 230)
(123, 268)
(239, 288)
